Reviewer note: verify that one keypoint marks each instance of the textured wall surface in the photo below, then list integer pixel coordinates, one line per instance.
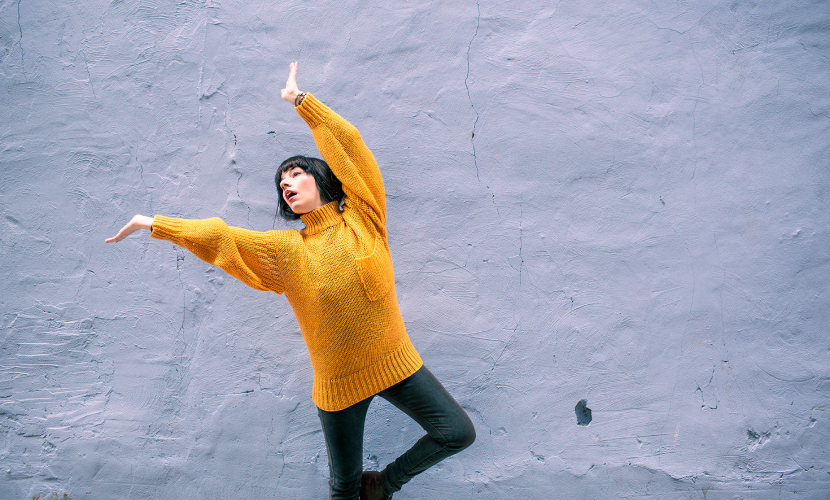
(621, 202)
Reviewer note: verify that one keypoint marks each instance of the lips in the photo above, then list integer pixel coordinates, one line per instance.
(288, 194)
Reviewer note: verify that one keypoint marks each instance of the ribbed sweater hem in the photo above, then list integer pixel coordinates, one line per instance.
(335, 395)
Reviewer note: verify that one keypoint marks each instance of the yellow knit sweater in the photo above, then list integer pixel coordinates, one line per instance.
(336, 273)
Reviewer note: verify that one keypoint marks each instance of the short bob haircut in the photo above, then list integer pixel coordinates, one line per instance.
(329, 186)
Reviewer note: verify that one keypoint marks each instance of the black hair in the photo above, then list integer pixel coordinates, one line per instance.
(329, 186)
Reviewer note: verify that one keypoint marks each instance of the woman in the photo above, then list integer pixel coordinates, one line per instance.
(337, 275)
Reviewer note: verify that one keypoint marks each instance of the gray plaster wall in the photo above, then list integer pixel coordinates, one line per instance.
(622, 202)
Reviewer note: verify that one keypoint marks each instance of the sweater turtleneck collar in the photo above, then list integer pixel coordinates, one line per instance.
(322, 218)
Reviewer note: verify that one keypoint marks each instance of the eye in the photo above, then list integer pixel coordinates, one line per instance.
(296, 173)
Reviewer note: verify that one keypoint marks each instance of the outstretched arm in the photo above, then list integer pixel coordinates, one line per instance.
(249, 256)
(137, 222)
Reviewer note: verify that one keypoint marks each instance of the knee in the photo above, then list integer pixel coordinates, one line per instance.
(462, 437)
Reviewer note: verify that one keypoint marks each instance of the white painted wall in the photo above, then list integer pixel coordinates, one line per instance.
(624, 202)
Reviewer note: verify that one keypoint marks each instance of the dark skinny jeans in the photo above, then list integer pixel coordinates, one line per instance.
(422, 397)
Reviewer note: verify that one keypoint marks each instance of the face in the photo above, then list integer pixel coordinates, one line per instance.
(300, 191)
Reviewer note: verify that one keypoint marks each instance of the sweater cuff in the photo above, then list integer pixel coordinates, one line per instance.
(312, 111)
(165, 227)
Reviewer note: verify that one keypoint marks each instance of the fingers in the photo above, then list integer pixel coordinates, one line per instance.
(291, 83)
(125, 231)
(292, 76)
(290, 91)
(114, 239)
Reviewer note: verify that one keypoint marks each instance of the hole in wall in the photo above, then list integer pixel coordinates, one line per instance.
(583, 413)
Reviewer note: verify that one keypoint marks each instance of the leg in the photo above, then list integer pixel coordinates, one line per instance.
(449, 429)
(343, 431)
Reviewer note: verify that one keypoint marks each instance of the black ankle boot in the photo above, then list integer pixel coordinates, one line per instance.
(370, 488)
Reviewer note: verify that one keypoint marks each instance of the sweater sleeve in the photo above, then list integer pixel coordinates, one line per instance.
(248, 256)
(352, 162)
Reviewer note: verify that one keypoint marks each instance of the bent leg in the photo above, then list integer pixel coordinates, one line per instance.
(449, 429)
(343, 431)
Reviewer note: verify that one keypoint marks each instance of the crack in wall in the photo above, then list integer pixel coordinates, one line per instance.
(202, 73)
(20, 40)
(493, 199)
(466, 85)
(88, 75)
(694, 118)
(472, 106)
(180, 255)
(238, 196)
(707, 397)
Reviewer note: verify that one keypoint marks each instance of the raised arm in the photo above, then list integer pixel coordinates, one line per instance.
(343, 149)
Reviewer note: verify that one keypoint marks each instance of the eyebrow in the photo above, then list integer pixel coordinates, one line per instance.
(288, 171)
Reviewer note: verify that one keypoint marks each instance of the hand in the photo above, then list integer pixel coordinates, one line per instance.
(289, 93)
(137, 222)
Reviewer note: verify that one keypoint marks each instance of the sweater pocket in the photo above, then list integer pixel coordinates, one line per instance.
(375, 271)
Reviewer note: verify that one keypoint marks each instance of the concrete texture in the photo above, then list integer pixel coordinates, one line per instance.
(622, 202)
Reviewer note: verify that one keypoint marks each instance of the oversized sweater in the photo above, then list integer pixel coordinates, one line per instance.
(336, 272)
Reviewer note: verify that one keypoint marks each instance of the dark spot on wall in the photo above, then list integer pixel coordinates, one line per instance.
(583, 413)
(756, 440)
